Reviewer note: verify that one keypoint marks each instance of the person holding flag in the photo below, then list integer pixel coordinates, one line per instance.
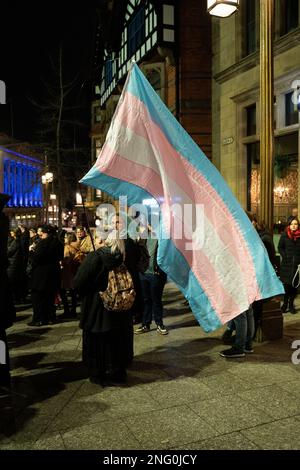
(218, 261)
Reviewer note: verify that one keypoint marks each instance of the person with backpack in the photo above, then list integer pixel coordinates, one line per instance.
(107, 337)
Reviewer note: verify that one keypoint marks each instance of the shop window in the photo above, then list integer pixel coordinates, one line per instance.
(250, 26)
(253, 185)
(289, 15)
(291, 112)
(108, 72)
(136, 31)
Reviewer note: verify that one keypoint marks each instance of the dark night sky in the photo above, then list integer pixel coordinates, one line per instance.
(29, 33)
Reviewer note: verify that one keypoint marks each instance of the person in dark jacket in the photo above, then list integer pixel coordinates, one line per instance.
(267, 239)
(289, 249)
(15, 264)
(107, 347)
(153, 281)
(45, 279)
(24, 239)
(7, 311)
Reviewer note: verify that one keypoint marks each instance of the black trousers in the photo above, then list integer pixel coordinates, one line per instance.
(290, 291)
(43, 306)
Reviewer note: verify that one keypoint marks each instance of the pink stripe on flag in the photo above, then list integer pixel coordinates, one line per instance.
(129, 171)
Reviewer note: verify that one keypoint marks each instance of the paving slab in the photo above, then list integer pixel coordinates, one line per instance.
(279, 434)
(230, 413)
(232, 441)
(112, 434)
(169, 427)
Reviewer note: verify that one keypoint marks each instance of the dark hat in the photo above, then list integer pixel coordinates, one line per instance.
(4, 198)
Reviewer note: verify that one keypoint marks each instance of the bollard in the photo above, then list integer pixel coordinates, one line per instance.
(270, 326)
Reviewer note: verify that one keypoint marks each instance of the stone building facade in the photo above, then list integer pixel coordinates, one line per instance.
(235, 104)
(171, 42)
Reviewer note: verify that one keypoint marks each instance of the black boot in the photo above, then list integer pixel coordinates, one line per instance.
(291, 305)
(284, 306)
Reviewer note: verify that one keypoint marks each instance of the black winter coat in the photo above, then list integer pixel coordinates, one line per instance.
(45, 265)
(7, 309)
(267, 240)
(290, 253)
(15, 260)
(25, 240)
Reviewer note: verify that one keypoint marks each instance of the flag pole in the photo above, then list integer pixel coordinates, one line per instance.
(87, 222)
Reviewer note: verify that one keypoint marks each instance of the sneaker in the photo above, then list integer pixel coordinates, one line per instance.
(232, 352)
(249, 350)
(162, 329)
(292, 309)
(35, 323)
(142, 329)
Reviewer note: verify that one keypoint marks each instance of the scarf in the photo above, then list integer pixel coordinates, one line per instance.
(293, 234)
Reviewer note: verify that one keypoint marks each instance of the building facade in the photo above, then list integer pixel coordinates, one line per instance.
(235, 104)
(20, 177)
(171, 42)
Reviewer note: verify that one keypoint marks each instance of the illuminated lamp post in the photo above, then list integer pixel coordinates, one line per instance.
(46, 179)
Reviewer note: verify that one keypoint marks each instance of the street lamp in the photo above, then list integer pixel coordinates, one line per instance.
(46, 179)
(219, 8)
(222, 9)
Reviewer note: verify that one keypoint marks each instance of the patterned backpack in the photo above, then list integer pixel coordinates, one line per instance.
(119, 294)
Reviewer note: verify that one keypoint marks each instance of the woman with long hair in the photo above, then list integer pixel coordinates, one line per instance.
(69, 269)
(107, 340)
(289, 249)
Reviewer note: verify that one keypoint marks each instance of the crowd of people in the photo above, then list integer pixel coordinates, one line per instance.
(71, 267)
(49, 267)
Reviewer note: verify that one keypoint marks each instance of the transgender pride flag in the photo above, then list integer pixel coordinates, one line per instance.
(148, 154)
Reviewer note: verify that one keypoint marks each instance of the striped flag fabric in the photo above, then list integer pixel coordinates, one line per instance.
(207, 244)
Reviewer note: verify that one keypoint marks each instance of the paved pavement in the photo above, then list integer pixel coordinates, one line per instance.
(180, 395)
